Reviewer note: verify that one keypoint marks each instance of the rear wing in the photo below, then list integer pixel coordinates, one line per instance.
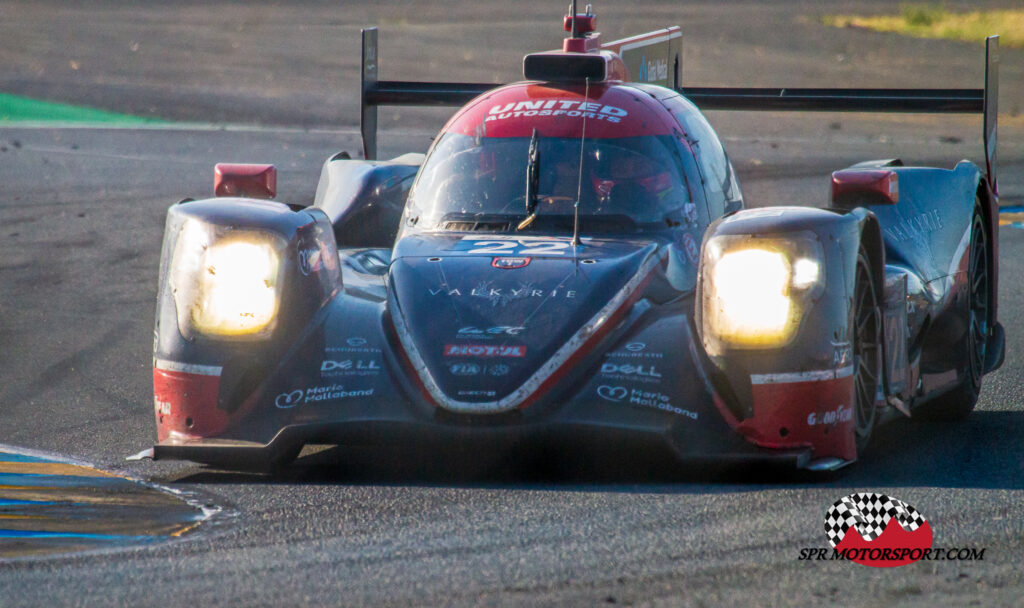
(656, 58)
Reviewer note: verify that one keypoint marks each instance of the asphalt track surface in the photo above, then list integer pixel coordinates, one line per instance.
(81, 217)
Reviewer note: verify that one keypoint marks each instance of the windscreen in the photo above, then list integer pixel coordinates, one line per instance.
(630, 183)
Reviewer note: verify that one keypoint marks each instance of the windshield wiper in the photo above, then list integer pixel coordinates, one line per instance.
(532, 182)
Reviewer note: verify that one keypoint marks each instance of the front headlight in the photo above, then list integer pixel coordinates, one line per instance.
(755, 290)
(225, 282)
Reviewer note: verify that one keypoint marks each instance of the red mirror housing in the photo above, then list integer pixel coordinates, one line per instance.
(855, 187)
(246, 180)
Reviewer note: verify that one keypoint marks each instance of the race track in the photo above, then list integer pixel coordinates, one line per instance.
(81, 218)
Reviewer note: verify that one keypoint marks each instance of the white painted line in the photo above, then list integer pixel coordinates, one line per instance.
(813, 376)
(187, 368)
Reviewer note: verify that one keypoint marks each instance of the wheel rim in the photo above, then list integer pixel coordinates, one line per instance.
(977, 277)
(866, 350)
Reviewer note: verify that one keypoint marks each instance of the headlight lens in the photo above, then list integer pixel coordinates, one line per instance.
(755, 290)
(225, 283)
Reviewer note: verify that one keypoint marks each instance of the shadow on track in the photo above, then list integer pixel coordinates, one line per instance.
(981, 452)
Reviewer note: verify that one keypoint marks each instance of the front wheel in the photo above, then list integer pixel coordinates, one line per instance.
(867, 352)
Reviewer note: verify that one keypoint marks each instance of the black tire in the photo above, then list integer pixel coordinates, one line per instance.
(958, 403)
(866, 337)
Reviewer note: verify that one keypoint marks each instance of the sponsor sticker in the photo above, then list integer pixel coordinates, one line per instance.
(465, 369)
(484, 350)
(498, 330)
(690, 247)
(353, 344)
(330, 392)
(476, 369)
(831, 417)
(643, 398)
(510, 263)
(842, 354)
(498, 369)
(310, 260)
(556, 108)
(631, 371)
(690, 211)
(477, 393)
(490, 292)
(288, 400)
(163, 408)
(349, 367)
(654, 70)
(916, 227)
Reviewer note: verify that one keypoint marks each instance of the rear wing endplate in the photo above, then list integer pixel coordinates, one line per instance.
(656, 58)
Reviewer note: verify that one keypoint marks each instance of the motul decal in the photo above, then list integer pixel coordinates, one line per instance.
(483, 350)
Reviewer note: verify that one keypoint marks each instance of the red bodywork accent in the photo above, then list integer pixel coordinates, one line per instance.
(878, 181)
(186, 405)
(612, 110)
(584, 23)
(253, 181)
(817, 414)
(582, 45)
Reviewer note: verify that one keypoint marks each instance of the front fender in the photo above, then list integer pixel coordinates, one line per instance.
(202, 378)
(798, 393)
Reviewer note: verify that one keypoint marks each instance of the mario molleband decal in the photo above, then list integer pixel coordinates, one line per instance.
(877, 530)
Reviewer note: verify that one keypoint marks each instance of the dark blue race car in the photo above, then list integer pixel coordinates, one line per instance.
(571, 262)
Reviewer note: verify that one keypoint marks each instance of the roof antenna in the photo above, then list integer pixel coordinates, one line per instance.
(572, 11)
(579, 182)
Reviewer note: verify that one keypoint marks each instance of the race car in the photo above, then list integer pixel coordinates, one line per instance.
(572, 261)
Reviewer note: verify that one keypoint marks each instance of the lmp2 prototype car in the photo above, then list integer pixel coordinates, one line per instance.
(571, 261)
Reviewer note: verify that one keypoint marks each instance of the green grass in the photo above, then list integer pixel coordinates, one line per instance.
(15, 109)
(933, 21)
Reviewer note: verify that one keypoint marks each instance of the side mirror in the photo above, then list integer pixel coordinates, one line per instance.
(857, 187)
(251, 181)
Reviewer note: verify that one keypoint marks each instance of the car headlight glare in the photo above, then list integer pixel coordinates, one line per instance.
(755, 289)
(225, 283)
(237, 288)
(752, 295)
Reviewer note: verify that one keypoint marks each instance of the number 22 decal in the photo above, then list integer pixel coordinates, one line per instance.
(514, 247)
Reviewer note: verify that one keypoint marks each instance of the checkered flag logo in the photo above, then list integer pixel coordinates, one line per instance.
(869, 514)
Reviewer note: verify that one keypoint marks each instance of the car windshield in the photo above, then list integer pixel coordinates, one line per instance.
(627, 182)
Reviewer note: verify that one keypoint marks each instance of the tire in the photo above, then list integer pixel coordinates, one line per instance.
(958, 403)
(866, 337)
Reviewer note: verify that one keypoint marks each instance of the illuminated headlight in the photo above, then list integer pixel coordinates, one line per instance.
(755, 290)
(225, 283)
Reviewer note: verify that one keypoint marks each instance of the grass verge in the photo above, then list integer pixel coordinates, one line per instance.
(933, 21)
(16, 109)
